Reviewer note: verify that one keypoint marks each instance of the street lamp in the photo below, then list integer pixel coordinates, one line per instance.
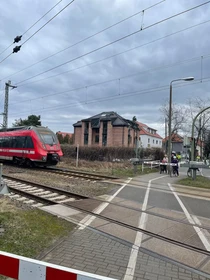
(170, 112)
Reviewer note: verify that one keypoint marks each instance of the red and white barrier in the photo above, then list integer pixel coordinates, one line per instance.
(22, 268)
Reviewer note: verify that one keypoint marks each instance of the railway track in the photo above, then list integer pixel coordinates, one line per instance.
(37, 195)
(71, 173)
(77, 174)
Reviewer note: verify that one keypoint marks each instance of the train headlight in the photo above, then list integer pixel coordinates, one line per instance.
(44, 158)
(43, 145)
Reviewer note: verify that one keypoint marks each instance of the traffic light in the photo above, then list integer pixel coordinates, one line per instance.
(17, 39)
(16, 49)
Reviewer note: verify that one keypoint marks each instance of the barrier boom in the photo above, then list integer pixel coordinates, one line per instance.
(21, 268)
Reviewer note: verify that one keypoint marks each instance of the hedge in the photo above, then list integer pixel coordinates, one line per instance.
(110, 153)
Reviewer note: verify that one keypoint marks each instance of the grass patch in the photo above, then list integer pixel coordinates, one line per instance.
(129, 172)
(200, 182)
(29, 232)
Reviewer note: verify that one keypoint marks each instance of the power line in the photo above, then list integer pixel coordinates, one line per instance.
(100, 60)
(83, 40)
(6, 57)
(42, 17)
(120, 78)
(6, 49)
(116, 96)
(113, 42)
(48, 22)
(17, 48)
(31, 26)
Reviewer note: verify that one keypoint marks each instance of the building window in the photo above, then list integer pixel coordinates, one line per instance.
(153, 141)
(104, 136)
(96, 138)
(148, 140)
(85, 139)
(156, 141)
(86, 133)
(160, 142)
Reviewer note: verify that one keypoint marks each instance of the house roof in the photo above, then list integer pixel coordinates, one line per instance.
(78, 124)
(175, 138)
(65, 133)
(115, 119)
(179, 139)
(143, 130)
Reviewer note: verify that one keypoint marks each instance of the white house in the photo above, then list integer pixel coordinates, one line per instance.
(149, 137)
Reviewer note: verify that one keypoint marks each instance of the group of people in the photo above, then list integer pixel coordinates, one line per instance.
(174, 160)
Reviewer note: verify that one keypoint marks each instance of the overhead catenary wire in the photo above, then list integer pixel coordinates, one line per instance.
(32, 25)
(40, 28)
(116, 96)
(6, 57)
(113, 42)
(85, 39)
(109, 57)
(48, 21)
(119, 78)
(41, 17)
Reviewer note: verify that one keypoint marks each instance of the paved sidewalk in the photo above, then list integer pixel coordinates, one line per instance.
(90, 251)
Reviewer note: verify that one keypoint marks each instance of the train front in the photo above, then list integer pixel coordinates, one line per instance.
(51, 150)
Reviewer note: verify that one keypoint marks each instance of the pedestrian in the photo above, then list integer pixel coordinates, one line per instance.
(164, 161)
(175, 166)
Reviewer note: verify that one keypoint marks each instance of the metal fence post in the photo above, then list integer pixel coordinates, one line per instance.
(77, 155)
(1, 165)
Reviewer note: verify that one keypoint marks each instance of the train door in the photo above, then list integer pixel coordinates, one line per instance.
(28, 147)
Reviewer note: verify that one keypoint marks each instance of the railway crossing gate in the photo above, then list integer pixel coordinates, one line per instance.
(21, 268)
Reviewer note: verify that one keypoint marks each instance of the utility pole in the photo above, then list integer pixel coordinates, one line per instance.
(166, 134)
(6, 102)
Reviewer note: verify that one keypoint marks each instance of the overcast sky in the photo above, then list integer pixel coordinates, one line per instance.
(137, 76)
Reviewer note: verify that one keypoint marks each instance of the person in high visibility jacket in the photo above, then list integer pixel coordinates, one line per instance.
(179, 157)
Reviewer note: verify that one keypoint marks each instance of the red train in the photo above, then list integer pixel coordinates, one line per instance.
(30, 146)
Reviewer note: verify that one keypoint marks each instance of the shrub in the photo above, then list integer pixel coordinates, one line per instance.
(110, 153)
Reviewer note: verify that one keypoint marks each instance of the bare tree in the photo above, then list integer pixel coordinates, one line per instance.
(202, 124)
(178, 116)
(183, 115)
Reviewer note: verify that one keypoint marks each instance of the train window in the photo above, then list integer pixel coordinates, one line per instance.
(5, 142)
(1, 141)
(29, 143)
(19, 141)
(49, 139)
(12, 142)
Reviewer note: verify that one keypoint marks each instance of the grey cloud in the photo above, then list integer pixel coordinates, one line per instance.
(83, 19)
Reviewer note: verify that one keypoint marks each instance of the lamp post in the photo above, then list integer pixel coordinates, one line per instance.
(170, 113)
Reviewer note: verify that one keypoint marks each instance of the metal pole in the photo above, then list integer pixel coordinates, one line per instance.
(5, 118)
(1, 165)
(170, 115)
(6, 102)
(166, 134)
(77, 155)
(169, 125)
(192, 136)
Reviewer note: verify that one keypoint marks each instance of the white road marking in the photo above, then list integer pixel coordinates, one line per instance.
(89, 218)
(129, 274)
(192, 220)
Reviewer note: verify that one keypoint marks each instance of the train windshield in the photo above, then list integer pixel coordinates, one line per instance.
(48, 138)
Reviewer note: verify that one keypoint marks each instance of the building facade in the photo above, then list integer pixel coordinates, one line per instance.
(106, 129)
(149, 138)
(182, 145)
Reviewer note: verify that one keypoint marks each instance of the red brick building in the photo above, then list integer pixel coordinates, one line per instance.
(106, 129)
